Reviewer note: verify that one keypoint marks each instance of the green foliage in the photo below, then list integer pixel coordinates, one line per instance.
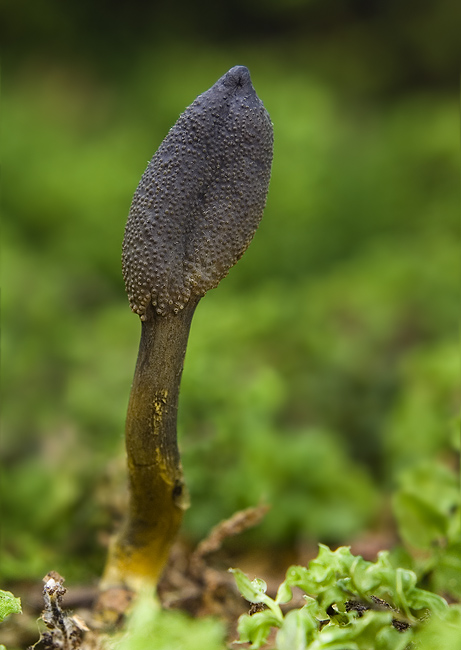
(149, 627)
(339, 363)
(441, 631)
(417, 430)
(312, 482)
(427, 506)
(9, 604)
(351, 604)
(427, 509)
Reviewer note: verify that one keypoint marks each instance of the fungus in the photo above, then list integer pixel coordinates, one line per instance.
(193, 215)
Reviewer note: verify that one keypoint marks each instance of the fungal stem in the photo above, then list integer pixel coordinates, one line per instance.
(157, 494)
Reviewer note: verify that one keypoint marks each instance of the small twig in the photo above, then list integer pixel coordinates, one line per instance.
(238, 523)
(64, 630)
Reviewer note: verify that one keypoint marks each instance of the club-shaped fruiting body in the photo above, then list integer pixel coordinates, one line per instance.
(193, 215)
(201, 198)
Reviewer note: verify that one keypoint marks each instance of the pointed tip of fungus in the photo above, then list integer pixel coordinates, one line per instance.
(238, 77)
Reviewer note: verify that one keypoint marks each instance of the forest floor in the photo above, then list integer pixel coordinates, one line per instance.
(196, 581)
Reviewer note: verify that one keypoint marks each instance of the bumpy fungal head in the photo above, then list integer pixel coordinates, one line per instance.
(201, 198)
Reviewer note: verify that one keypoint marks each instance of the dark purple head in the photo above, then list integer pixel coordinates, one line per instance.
(201, 198)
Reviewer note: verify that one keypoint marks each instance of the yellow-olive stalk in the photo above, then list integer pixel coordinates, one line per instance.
(193, 215)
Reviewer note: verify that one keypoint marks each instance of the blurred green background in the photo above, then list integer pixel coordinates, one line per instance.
(326, 363)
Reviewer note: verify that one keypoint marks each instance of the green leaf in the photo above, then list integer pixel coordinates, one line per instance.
(255, 629)
(255, 592)
(340, 561)
(149, 626)
(367, 576)
(455, 430)
(9, 604)
(441, 631)
(420, 523)
(299, 576)
(419, 599)
(454, 523)
(323, 577)
(284, 593)
(252, 590)
(297, 630)
(447, 573)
